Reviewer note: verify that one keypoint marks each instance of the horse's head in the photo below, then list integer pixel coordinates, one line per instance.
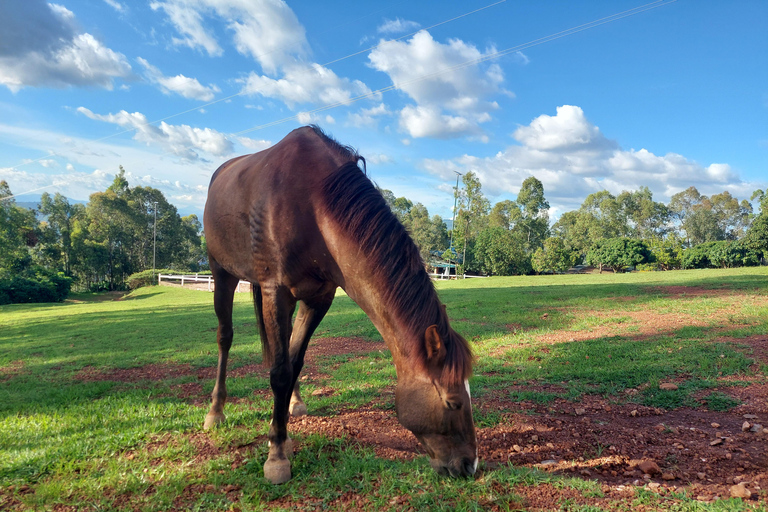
(438, 411)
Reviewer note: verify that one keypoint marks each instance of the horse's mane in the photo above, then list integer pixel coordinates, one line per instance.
(358, 207)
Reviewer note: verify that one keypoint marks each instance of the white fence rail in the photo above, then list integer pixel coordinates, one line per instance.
(242, 286)
(440, 277)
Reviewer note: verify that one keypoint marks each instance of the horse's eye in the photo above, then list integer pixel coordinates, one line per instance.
(452, 405)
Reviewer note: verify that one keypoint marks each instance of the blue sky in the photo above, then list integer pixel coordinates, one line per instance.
(583, 95)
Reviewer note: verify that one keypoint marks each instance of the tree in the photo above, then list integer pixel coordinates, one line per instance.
(534, 213)
(757, 233)
(57, 230)
(471, 217)
(505, 214)
(497, 253)
(708, 219)
(429, 234)
(647, 218)
(18, 233)
(619, 253)
(667, 252)
(400, 206)
(553, 256)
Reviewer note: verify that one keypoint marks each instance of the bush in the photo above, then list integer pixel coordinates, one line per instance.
(36, 284)
(146, 277)
(723, 254)
(619, 253)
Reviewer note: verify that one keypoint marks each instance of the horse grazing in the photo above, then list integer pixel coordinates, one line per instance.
(298, 220)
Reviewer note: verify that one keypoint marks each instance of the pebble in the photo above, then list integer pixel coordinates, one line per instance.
(667, 476)
(716, 442)
(633, 413)
(701, 476)
(750, 417)
(740, 491)
(580, 411)
(746, 426)
(649, 467)
(715, 425)
(668, 386)
(756, 428)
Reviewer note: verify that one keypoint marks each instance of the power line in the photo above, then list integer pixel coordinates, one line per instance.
(491, 56)
(243, 92)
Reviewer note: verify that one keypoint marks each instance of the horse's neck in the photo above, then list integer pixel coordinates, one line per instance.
(363, 287)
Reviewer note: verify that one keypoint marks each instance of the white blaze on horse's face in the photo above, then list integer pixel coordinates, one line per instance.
(441, 419)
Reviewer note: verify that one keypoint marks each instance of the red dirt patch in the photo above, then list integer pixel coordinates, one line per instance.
(697, 451)
(13, 369)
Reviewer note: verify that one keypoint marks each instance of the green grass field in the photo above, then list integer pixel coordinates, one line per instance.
(67, 440)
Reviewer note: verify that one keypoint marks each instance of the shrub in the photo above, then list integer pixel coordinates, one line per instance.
(723, 254)
(36, 284)
(619, 253)
(146, 277)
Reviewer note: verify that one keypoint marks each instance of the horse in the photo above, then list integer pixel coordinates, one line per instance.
(297, 221)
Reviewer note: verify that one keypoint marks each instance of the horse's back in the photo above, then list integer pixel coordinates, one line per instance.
(260, 216)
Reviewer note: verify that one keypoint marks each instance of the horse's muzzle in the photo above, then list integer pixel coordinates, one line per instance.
(456, 468)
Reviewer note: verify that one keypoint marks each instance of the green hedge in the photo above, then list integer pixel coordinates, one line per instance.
(35, 285)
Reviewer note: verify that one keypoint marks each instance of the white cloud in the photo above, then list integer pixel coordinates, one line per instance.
(116, 5)
(182, 140)
(427, 121)
(306, 83)
(444, 80)
(368, 116)
(174, 177)
(573, 159)
(254, 144)
(40, 46)
(179, 84)
(266, 30)
(396, 26)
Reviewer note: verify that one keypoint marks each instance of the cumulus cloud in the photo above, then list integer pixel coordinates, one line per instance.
(266, 30)
(179, 84)
(306, 83)
(452, 92)
(41, 46)
(573, 159)
(183, 140)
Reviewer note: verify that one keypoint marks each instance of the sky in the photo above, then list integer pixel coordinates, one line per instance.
(585, 96)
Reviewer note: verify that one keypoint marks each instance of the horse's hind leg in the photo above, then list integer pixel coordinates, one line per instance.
(223, 296)
(307, 320)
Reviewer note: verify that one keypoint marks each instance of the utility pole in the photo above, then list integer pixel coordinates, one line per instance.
(154, 242)
(453, 222)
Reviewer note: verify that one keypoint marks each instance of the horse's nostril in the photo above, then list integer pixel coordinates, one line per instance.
(469, 466)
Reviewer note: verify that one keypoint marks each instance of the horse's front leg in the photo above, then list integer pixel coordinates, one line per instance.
(277, 308)
(223, 296)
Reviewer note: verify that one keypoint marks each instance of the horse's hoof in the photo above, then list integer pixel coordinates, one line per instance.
(297, 409)
(212, 419)
(277, 471)
(288, 448)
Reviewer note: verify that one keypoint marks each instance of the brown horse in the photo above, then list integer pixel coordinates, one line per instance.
(298, 220)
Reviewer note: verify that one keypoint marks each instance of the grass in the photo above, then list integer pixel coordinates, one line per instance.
(115, 445)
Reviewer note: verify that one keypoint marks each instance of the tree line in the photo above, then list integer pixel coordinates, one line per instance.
(93, 246)
(124, 230)
(608, 231)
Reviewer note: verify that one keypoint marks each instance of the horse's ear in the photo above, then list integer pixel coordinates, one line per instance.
(433, 343)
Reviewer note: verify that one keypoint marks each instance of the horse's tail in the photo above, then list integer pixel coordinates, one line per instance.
(267, 355)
